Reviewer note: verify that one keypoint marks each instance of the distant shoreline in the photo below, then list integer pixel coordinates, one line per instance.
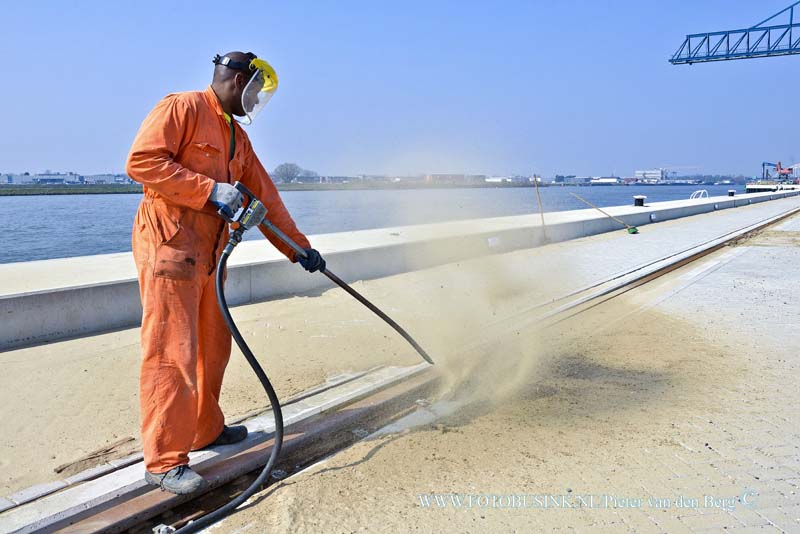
(106, 189)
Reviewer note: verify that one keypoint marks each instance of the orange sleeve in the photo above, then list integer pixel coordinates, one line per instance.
(151, 160)
(257, 180)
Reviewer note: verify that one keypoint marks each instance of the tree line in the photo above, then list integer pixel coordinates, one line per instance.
(287, 173)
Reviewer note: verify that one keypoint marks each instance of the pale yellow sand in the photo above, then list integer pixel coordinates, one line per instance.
(625, 402)
(61, 401)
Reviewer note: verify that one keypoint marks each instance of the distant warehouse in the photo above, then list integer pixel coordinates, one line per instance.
(651, 176)
(602, 180)
(509, 180)
(571, 179)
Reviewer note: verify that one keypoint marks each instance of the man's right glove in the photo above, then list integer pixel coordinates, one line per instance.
(313, 261)
(227, 198)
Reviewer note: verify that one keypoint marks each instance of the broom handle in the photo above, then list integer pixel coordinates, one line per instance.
(623, 223)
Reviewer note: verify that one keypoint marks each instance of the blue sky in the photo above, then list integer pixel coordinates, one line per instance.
(578, 87)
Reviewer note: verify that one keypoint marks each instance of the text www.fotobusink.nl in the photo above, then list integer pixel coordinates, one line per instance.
(520, 501)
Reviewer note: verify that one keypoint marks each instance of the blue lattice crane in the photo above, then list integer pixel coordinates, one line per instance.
(756, 41)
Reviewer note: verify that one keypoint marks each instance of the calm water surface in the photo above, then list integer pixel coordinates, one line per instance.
(44, 227)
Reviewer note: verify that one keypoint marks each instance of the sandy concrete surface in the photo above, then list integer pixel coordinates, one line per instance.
(81, 395)
(670, 409)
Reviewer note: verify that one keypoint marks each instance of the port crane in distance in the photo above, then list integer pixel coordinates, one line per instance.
(768, 38)
(780, 172)
(761, 40)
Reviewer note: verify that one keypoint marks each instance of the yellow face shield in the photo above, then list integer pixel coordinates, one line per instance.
(259, 89)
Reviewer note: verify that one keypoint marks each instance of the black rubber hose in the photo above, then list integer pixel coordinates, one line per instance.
(219, 513)
(377, 311)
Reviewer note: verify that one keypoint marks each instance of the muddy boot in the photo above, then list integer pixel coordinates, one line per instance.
(229, 435)
(179, 480)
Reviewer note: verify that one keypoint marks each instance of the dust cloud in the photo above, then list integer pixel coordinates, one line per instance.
(475, 327)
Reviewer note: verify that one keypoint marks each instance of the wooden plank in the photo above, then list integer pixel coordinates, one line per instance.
(99, 454)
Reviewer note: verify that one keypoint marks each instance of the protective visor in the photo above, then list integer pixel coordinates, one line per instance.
(259, 89)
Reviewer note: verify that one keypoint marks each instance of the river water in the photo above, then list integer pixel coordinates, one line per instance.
(58, 226)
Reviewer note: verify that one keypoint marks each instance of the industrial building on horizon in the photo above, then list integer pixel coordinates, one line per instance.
(658, 176)
(66, 178)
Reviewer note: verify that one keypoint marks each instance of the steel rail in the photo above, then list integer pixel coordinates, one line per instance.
(387, 405)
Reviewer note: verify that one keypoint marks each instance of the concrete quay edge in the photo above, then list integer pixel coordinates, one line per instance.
(48, 300)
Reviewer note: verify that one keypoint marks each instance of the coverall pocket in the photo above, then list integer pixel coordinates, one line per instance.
(204, 158)
(175, 262)
(167, 229)
(175, 254)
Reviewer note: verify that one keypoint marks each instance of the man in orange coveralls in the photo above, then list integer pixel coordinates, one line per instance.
(188, 152)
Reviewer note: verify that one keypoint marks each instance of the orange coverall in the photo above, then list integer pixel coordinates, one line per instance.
(182, 148)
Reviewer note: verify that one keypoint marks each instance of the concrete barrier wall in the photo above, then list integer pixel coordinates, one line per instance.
(78, 305)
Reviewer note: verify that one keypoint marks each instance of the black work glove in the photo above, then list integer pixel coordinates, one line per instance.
(313, 261)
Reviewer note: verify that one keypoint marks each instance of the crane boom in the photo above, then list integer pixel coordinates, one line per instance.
(756, 41)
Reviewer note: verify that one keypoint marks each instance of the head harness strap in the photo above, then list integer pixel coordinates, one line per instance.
(225, 61)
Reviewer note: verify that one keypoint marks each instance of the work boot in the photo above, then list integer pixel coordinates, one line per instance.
(179, 480)
(229, 435)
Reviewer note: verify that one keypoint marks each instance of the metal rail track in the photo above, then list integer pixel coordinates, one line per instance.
(325, 434)
(563, 309)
